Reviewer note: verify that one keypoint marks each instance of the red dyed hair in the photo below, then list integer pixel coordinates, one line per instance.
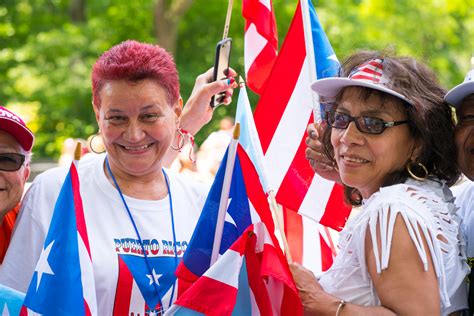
(135, 61)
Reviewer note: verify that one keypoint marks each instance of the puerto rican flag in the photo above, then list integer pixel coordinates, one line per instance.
(251, 278)
(282, 114)
(246, 204)
(285, 109)
(137, 287)
(63, 281)
(261, 42)
(310, 243)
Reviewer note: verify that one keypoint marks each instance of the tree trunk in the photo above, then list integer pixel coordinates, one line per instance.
(77, 11)
(167, 16)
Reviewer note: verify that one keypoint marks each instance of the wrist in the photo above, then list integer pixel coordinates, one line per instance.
(192, 121)
(340, 307)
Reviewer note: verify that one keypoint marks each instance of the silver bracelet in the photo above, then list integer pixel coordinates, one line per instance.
(342, 303)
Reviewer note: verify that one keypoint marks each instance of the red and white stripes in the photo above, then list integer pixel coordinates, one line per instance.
(261, 42)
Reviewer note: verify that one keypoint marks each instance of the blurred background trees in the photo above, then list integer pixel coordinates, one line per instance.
(47, 47)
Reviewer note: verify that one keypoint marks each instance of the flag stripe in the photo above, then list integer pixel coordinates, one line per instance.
(80, 220)
(336, 212)
(282, 80)
(123, 293)
(298, 172)
(365, 77)
(261, 42)
(261, 15)
(289, 132)
(294, 233)
(87, 282)
(254, 189)
(315, 202)
(260, 67)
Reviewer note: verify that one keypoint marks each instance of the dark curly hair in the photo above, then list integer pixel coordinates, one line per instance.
(429, 117)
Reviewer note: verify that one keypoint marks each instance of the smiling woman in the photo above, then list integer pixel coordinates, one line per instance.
(139, 215)
(389, 133)
(137, 125)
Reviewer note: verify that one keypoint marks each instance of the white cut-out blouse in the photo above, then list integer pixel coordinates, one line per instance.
(428, 211)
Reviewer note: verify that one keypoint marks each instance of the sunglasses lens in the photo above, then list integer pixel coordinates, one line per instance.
(11, 161)
(341, 120)
(372, 125)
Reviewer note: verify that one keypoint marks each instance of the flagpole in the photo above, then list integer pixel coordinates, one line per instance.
(256, 155)
(227, 19)
(277, 213)
(78, 151)
(225, 194)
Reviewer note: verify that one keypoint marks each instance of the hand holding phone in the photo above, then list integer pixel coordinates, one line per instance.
(221, 66)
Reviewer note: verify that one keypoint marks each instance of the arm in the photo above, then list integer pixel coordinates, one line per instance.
(404, 288)
(197, 111)
(314, 153)
(317, 302)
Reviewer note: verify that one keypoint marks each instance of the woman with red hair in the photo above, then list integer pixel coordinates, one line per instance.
(139, 215)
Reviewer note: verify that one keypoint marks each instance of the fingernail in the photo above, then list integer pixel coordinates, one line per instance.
(230, 81)
(313, 135)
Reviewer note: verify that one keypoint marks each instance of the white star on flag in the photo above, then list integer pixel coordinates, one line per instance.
(42, 267)
(5, 311)
(229, 218)
(154, 277)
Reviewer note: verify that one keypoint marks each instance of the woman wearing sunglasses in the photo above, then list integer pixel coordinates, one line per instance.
(16, 141)
(389, 134)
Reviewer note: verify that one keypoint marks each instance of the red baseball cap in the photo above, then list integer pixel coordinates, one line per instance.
(14, 125)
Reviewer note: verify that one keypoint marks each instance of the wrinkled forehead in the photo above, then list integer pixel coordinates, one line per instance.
(373, 100)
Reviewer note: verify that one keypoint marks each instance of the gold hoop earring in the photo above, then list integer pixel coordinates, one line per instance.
(96, 144)
(420, 166)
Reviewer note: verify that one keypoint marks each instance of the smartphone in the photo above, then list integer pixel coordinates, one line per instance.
(221, 64)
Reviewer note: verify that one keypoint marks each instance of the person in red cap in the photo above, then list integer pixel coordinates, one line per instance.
(16, 141)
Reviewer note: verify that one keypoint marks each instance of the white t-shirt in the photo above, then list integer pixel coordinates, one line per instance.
(115, 250)
(422, 204)
(464, 194)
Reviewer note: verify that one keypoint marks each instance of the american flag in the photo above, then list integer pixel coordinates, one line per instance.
(370, 71)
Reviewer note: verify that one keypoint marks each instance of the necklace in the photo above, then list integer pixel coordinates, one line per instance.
(147, 262)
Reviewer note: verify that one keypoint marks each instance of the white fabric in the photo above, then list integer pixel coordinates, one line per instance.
(427, 211)
(109, 228)
(464, 194)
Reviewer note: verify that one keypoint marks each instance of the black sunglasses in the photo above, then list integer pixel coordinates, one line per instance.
(365, 124)
(11, 161)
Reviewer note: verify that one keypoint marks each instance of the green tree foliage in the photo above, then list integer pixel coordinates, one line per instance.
(47, 47)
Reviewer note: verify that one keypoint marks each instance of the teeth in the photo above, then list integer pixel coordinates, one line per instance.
(137, 148)
(353, 159)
